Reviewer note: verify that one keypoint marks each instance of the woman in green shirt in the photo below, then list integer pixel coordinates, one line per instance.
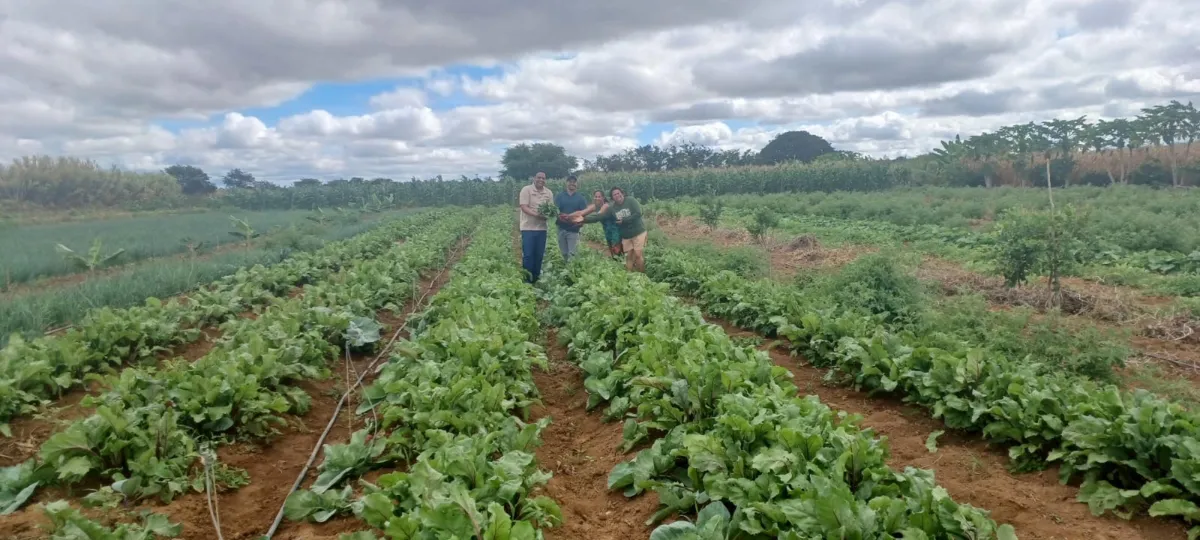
(627, 213)
(612, 233)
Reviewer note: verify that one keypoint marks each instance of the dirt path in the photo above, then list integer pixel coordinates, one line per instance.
(580, 450)
(272, 466)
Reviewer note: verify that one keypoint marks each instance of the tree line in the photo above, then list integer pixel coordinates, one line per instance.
(1111, 150)
(1153, 148)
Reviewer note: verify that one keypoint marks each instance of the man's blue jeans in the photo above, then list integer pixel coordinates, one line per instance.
(533, 250)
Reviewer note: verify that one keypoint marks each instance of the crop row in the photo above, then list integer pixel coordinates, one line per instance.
(35, 370)
(1130, 450)
(731, 441)
(449, 405)
(151, 424)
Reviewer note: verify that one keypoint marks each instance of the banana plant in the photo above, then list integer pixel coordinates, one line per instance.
(93, 260)
(242, 229)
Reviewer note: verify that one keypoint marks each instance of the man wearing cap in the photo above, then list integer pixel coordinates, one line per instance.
(568, 202)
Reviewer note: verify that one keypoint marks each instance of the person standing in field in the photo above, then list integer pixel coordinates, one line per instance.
(533, 226)
(569, 202)
(612, 233)
(627, 213)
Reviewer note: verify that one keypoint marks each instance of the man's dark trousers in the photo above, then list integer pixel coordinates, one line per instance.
(533, 250)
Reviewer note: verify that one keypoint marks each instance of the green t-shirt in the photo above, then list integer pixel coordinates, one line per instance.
(630, 214)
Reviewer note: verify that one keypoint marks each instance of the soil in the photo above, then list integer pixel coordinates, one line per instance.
(273, 465)
(580, 450)
(788, 257)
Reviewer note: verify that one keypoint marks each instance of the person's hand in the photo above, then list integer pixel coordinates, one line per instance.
(577, 219)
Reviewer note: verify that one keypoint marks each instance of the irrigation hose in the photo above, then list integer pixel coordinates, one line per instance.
(346, 395)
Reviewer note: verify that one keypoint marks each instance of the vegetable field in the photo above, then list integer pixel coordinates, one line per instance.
(405, 382)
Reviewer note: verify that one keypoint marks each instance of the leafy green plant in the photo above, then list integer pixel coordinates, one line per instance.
(69, 524)
(243, 230)
(148, 424)
(734, 430)
(548, 210)
(17, 485)
(875, 284)
(763, 220)
(1129, 450)
(93, 260)
(449, 406)
(710, 213)
(1031, 242)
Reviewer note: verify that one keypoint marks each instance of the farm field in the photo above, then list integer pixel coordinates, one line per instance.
(1152, 329)
(148, 429)
(30, 252)
(720, 270)
(36, 307)
(406, 383)
(1127, 235)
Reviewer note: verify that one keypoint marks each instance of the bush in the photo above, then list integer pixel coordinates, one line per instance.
(878, 285)
(764, 220)
(1030, 242)
(710, 213)
(1151, 173)
(1022, 333)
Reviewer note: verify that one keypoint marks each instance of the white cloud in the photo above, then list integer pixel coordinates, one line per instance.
(886, 77)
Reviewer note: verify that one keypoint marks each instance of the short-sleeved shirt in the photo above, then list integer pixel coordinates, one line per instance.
(533, 198)
(567, 203)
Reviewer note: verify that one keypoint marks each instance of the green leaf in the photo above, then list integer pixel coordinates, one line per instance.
(931, 441)
(1006, 532)
(1175, 507)
(676, 530)
(74, 468)
(10, 504)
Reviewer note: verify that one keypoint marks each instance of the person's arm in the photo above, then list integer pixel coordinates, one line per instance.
(587, 210)
(598, 216)
(562, 216)
(526, 202)
(635, 210)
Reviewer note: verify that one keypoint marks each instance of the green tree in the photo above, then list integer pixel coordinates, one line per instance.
(525, 160)
(1174, 126)
(192, 180)
(794, 146)
(307, 182)
(238, 178)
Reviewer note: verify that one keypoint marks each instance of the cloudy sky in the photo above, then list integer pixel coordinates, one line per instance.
(294, 88)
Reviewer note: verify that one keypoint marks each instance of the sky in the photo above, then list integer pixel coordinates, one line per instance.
(287, 89)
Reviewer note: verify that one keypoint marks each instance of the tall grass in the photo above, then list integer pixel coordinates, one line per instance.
(66, 182)
(29, 254)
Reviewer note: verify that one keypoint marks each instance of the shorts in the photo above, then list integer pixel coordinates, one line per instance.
(637, 243)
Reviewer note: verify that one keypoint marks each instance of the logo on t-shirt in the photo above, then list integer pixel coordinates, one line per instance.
(622, 213)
